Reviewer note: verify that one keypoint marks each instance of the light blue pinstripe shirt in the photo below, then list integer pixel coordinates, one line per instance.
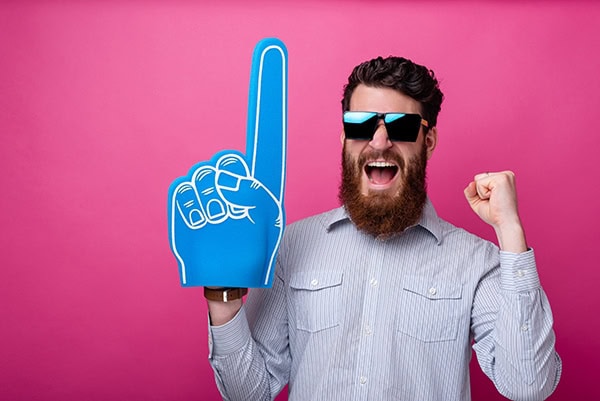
(354, 318)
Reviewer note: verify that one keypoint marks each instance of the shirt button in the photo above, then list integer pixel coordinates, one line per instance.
(524, 327)
(520, 273)
(374, 282)
(432, 291)
(362, 380)
(368, 330)
(314, 282)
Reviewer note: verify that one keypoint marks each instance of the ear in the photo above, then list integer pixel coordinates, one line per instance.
(431, 141)
(342, 137)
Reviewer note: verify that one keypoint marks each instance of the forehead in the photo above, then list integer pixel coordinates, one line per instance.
(382, 100)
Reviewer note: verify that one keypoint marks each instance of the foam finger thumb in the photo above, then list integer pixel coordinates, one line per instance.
(241, 191)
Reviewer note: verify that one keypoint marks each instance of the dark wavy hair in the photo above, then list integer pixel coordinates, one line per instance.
(403, 75)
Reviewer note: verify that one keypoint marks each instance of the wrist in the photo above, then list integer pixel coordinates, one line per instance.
(220, 312)
(511, 238)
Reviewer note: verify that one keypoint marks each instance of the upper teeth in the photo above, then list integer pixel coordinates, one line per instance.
(381, 164)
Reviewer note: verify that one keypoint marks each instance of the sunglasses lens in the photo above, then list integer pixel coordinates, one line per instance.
(402, 127)
(360, 124)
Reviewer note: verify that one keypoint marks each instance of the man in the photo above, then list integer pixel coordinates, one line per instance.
(380, 299)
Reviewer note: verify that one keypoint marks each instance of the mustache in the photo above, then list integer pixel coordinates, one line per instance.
(387, 154)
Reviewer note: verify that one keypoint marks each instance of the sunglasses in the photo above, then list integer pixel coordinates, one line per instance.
(400, 127)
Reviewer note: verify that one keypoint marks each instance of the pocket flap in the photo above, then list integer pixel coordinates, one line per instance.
(316, 280)
(433, 289)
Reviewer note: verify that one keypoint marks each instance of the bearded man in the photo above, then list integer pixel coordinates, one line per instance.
(381, 299)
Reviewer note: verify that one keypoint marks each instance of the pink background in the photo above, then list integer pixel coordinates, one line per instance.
(103, 104)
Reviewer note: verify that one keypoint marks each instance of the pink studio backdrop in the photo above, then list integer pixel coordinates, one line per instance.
(103, 104)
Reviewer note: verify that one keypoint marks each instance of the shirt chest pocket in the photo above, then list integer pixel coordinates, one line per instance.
(429, 310)
(316, 299)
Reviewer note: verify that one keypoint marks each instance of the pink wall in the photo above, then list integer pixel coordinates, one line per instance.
(102, 104)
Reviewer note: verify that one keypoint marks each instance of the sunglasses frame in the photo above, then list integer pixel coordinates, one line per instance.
(394, 133)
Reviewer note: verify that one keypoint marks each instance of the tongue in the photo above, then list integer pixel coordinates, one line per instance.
(382, 175)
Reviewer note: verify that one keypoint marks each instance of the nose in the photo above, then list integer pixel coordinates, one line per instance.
(380, 138)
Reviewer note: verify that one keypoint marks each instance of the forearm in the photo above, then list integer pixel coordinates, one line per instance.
(525, 364)
(239, 367)
(516, 349)
(249, 353)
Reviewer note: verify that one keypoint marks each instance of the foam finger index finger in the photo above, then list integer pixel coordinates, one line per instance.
(266, 139)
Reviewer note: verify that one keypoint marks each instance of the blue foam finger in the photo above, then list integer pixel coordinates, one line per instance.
(237, 249)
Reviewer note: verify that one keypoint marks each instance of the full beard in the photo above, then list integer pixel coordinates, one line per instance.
(381, 213)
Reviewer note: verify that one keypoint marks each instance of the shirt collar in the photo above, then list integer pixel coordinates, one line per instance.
(429, 220)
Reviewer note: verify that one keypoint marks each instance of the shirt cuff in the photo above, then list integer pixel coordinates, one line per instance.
(518, 272)
(230, 337)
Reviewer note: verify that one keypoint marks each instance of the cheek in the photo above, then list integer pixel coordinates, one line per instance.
(353, 148)
(353, 152)
(408, 151)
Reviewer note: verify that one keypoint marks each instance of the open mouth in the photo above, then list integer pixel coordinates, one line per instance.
(381, 172)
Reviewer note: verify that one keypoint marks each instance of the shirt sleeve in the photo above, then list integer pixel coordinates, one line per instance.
(512, 329)
(250, 354)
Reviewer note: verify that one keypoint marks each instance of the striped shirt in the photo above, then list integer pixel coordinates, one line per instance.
(351, 317)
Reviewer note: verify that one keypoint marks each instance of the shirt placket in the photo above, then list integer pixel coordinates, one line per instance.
(363, 376)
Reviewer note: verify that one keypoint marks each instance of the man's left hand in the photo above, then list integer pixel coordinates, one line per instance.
(493, 196)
